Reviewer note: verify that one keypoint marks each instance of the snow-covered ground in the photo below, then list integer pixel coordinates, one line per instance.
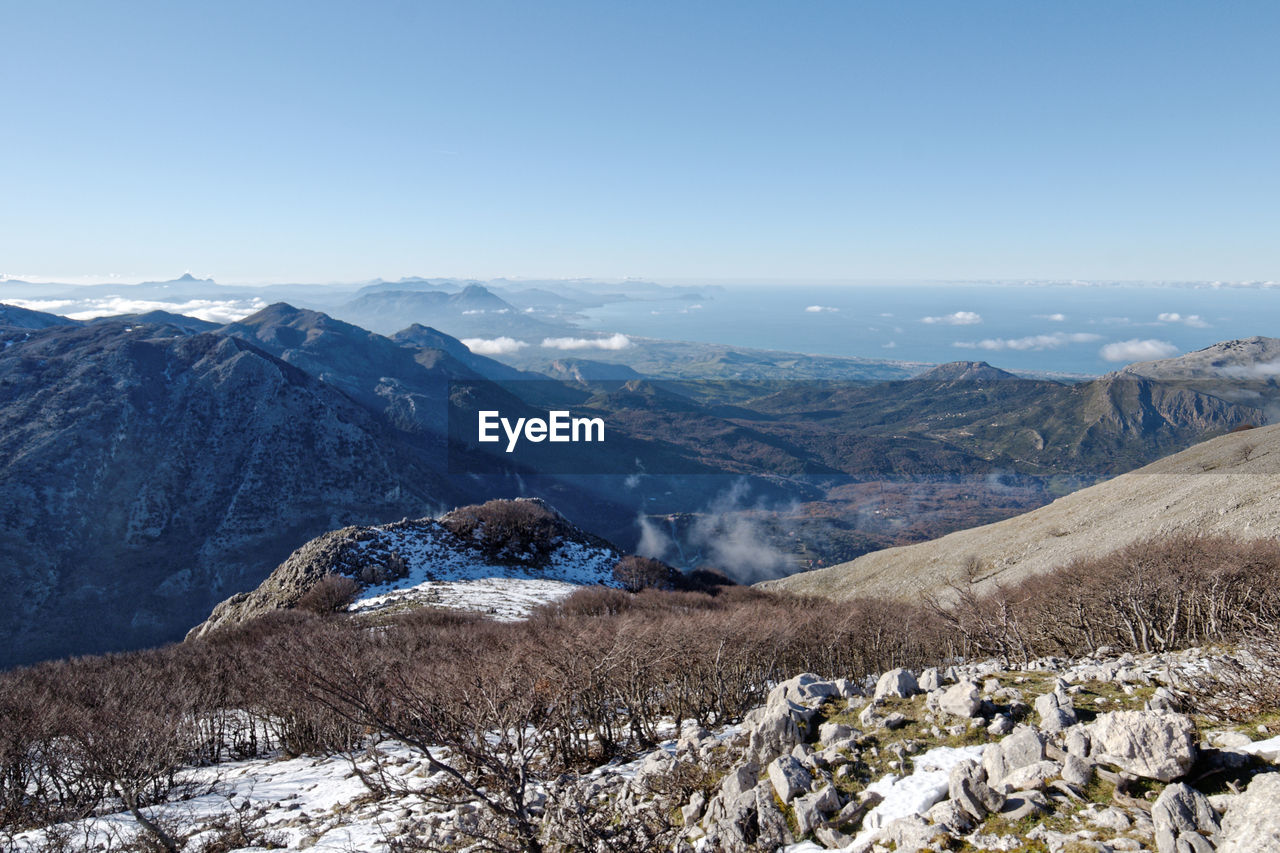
(503, 599)
(441, 570)
(319, 804)
(906, 795)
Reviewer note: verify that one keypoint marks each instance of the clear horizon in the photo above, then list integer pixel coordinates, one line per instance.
(338, 142)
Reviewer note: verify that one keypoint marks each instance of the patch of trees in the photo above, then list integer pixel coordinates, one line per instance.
(1154, 595)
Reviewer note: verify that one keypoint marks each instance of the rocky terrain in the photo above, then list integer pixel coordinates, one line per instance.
(1229, 484)
(504, 557)
(1091, 755)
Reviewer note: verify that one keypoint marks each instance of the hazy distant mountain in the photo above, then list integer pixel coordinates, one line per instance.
(148, 466)
(471, 312)
(177, 322)
(11, 316)
(422, 337)
(145, 474)
(964, 371)
(583, 370)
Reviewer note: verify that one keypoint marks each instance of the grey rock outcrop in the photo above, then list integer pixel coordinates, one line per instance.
(961, 700)
(1022, 748)
(1150, 744)
(1252, 821)
(1184, 820)
(896, 683)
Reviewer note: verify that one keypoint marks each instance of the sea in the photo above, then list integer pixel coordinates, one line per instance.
(1071, 328)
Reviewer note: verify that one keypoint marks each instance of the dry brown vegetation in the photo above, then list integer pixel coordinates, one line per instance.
(1154, 595)
(599, 675)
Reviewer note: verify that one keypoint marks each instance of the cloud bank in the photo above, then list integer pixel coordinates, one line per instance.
(493, 346)
(210, 310)
(613, 342)
(1138, 350)
(1193, 320)
(1031, 342)
(820, 309)
(959, 318)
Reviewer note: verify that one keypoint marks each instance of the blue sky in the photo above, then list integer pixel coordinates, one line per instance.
(313, 141)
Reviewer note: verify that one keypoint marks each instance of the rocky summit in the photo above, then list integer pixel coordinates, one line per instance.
(500, 558)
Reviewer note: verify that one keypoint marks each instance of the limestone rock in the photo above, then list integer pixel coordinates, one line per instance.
(897, 683)
(961, 700)
(1152, 744)
(1183, 817)
(790, 778)
(1252, 821)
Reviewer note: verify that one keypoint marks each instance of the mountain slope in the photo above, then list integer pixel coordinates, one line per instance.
(1228, 485)
(11, 316)
(440, 562)
(1247, 358)
(146, 474)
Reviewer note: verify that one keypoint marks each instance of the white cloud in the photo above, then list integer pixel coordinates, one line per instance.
(613, 342)
(1262, 370)
(212, 310)
(890, 345)
(493, 346)
(1138, 350)
(820, 309)
(1053, 318)
(1031, 342)
(1193, 320)
(959, 318)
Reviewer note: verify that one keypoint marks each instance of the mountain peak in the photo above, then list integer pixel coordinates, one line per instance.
(965, 371)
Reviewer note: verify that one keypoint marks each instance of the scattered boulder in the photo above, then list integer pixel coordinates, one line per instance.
(930, 680)
(830, 733)
(811, 810)
(1252, 821)
(967, 787)
(1151, 744)
(1183, 817)
(895, 721)
(790, 778)
(1077, 771)
(1024, 804)
(1020, 749)
(1032, 777)
(1055, 714)
(1000, 725)
(961, 700)
(896, 683)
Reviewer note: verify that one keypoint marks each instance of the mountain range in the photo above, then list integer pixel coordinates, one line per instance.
(153, 465)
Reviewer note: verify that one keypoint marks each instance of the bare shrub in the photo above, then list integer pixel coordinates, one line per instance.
(636, 573)
(1244, 684)
(1153, 595)
(331, 593)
